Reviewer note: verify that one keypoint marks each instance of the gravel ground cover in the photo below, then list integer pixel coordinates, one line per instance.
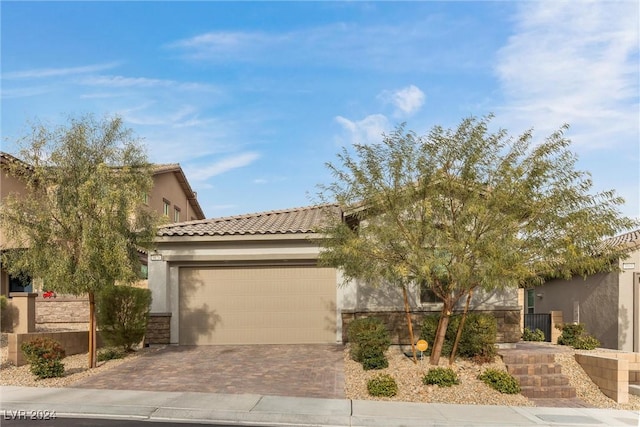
(408, 375)
(470, 391)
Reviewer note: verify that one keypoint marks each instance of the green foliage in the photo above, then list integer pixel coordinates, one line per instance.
(123, 314)
(443, 377)
(570, 332)
(44, 355)
(6, 319)
(576, 336)
(500, 380)
(586, 342)
(383, 385)
(478, 335)
(110, 353)
(529, 335)
(466, 208)
(81, 217)
(369, 339)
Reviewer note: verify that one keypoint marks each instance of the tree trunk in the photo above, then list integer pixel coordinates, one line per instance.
(460, 327)
(440, 333)
(407, 310)
(92, 331)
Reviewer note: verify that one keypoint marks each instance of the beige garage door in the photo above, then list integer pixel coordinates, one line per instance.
(257, 305)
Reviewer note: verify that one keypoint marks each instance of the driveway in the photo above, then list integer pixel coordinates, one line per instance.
(281, 370)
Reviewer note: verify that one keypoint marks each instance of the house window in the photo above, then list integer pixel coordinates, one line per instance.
(176, 214)
(531, 299)
(144, 271)
(427, 296)
(21, 283)
(166, 207)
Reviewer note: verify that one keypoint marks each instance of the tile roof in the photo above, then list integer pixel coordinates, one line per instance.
(630, 240)
(288, 221)
(165, 167)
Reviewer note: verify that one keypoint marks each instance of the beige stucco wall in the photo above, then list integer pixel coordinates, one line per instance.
(166, 186)
(629, 303)
(8, 185)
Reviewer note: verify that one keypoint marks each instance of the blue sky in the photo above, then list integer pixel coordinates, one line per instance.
(252, 99)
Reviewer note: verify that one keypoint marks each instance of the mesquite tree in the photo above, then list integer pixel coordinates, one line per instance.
(80, 223)
(463, 209)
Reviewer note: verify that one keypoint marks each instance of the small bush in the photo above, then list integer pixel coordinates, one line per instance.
(373, 358)
(478, 336)
(369, 339)
(383, 385)
(44, 355)
(500, 380)
(575, 335)
(529, 335)
(443, 377)
(586, 342)
(110, 353)
(5, 315)
(123, 314)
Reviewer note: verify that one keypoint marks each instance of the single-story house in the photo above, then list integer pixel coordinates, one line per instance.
(607, 303)
(255, 279)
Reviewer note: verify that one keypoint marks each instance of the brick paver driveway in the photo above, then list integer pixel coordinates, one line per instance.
(281, 370)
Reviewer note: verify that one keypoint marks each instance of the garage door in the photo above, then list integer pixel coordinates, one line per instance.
(257, 305)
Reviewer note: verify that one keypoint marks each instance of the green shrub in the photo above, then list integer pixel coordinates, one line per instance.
(373, 358)
(44, 355)
(500, 380)
(5, 315)
(586, 342)
(570, 332)
(123, 314)
(576, 336)
(369, 339)
(110, 353)
(529, 335)
(443, 377)
(382, 385)
(478, 335)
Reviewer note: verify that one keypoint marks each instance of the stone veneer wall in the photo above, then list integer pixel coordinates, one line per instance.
(508, 319)
(67, 311)
(158, 329)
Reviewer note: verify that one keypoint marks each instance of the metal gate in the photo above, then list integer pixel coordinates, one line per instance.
(540, 321)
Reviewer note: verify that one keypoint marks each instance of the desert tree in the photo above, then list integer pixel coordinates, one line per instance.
(462, 209)
(81, 223)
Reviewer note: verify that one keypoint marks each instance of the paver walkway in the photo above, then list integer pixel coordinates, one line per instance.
(284, 370)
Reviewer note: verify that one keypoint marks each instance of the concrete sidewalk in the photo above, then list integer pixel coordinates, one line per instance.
(279, 411)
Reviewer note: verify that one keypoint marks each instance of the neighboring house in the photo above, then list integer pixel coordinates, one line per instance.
(255, 279)
(171, 196)
(607, 303)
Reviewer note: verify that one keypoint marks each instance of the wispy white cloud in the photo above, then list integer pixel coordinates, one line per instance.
(342, 44)
(38, 73)
(573, 63)
(366, 131)
(143, 82)
(24, 92)
(407, 100)
(219, 43)
(202, 173)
